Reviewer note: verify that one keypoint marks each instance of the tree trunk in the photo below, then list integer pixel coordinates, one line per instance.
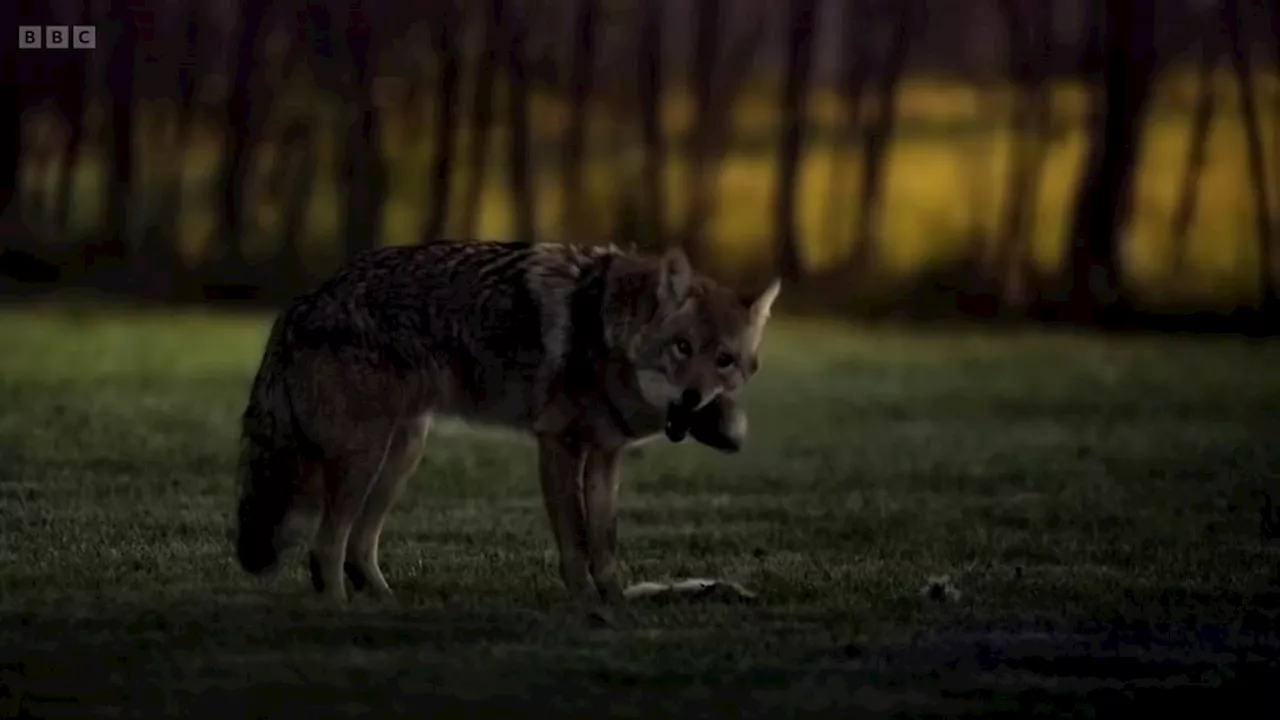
(581, 77)
(1243, 69)
(73, 92)
(446, 29)
(14, 95)
(854, 26)
(878, 137)
(481, 117)
(976, 176)
(716, 85)
(802, 25)
(521, 185)
(188, 75)
(120, 78)
(708, 23)
(653, 185)
(1274, 16)
(1092, 50)
(1104, 196)
(168, 225)
(297, 143)
(1030, 37)
(364, 167)
(40, 75)
(1197, 153)
(240, 136)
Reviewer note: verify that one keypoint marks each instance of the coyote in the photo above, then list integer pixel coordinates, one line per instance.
(590, 350)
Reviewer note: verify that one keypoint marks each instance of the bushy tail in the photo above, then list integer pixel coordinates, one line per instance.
(270, 460)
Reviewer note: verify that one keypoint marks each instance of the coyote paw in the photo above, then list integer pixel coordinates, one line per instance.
(601, 616)
(368, 583)
(611, 592)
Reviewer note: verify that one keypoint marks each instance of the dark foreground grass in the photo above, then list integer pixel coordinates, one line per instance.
(1095, 503)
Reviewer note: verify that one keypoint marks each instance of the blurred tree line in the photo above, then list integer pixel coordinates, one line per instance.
(476, 68)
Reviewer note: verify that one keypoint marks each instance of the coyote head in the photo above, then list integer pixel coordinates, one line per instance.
(688, 338)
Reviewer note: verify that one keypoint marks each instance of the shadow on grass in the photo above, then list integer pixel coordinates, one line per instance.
(247, 660)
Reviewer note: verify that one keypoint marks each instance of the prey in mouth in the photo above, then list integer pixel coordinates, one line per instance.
(680, 415)
(720, 424)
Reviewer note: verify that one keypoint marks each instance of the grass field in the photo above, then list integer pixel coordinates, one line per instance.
(1094, 501)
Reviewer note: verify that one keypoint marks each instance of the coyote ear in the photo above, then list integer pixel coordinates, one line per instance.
(760, 305)
(675, 276)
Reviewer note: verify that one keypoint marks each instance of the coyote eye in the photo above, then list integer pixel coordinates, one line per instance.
(682, 347)
(725, 361)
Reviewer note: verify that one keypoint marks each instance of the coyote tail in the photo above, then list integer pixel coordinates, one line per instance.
(270, 460)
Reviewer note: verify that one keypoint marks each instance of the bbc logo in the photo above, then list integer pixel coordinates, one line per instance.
(57, 37)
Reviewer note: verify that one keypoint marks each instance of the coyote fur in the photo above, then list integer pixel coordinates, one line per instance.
(590, 350)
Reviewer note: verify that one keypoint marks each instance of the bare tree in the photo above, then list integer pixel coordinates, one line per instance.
(581, 76)
(364, 169)
(167, 224)
(1030, 31)
(708, 26)
(1274, 17)
(188, 73)
(1092, 50)
(980, 145)
(157, 258)
(802, 24)
(518, 161)
(36, 78)
(445, 27)
(120, 161)
(72, 101)
(717, 77)
(13, 95)
(481, 115)
(650, 84)
(879, 135)
(298, 146)
(241, 134)
(1242, 67)
(856, 18)
(1104, 195)
(1197, 152)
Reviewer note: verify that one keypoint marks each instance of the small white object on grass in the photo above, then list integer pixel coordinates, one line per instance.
(940, 588)
(693, 588)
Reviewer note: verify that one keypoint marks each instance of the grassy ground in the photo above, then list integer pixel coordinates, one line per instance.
(1092, 500)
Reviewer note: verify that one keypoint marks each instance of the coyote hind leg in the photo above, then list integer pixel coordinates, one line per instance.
(349, 478)
(404, 454)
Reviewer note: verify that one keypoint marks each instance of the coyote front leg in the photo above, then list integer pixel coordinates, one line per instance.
(560, 467)
(600, 479)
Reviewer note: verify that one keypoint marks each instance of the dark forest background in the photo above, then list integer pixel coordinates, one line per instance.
(1102, 162)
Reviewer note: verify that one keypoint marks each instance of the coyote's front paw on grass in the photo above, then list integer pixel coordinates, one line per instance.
(601, 616)
(611, 592)
(368, 584)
